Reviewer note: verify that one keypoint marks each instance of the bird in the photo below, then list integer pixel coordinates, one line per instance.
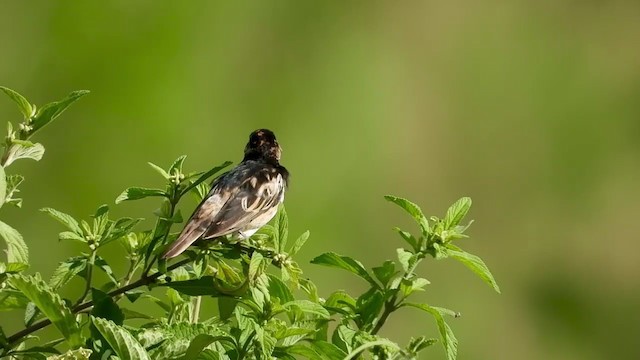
(242, 200)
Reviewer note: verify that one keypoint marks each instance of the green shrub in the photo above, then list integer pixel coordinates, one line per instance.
(266, 308)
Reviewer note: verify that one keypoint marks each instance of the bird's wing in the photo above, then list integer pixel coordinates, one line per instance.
(260, 192)
(201, 218)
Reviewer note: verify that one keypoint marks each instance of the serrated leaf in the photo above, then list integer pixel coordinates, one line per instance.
(177, 164)
(339, 300)
(307, 307)
(255, 265)
(328, 350)
(66, 271)
(369, 344)
(172, 341)
(23, 150)
(51, 305)
(70, 235)
(297, 245)
(135, 193)
(23, 104)
(197, 345)
(17, 250)
(101, 263)
(278, 289)
(405, 258)
(120, 340)
(51, 111)
(474, 263)
(457, 212)
(104, 307)
(12, 300)
(196, 287)
(160, 170)
(205, 176)
(79, 354)
(344, 262)
(13, 181)
(448, 339)
(413, 210)
(410, 239)
(282, 228)
(385, 272)
(3, 186)
(65, 219)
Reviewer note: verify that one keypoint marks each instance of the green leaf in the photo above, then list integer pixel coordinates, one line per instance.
(23, 150)
(457, 212)
(278, 289)
(23, 104)
(198, 344)
(51, 305)
(385, 272)
(332, 259)
(405, 258)
(51, 111)
(297, 245)
(135, 193)
(120, 340)
(329, 350)
(410, 239)
(79, 354)
(474, 263)
(66, 271)
(17, 250)
(420, 343)
(255, 266)
(101, 263)
(12, 300)
(283, 229)
(226, 306)
(340, 301)
(3, 186)
(205, 176)
(104, 307)
(196, 287)
(177, 164)
(160, 170)
(65, 219)
(448, 339)
(308, 307)
(369, 306)
(369, 344)
(13, 181)
(413, 210)
(69, 235)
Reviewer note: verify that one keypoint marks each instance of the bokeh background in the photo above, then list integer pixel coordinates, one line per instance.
(532, 108)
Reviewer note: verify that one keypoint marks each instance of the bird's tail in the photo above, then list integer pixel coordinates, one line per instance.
(186, 238)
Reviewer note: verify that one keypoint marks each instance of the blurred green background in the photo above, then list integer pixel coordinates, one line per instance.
(530, 107)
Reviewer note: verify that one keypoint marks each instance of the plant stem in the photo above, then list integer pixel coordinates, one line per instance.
(87, 288)
(195, 311)
(144, 280)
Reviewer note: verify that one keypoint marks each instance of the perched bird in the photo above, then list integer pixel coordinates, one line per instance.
(242, 200)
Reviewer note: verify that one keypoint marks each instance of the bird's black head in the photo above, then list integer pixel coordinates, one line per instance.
(263, 145)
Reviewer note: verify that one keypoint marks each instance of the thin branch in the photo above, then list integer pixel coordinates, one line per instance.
(146, 280)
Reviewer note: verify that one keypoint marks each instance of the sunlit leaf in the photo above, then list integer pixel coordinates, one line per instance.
(120, 340)
(474, 263)
(413, 210)
(51, 305)
(17, 250)
(23, 104)
(344, 262)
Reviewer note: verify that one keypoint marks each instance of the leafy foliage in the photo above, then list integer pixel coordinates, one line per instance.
(266, 307)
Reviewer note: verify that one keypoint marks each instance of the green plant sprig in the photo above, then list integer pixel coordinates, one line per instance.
(266, 307)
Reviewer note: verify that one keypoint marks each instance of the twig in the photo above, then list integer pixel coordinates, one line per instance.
(146, 280)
